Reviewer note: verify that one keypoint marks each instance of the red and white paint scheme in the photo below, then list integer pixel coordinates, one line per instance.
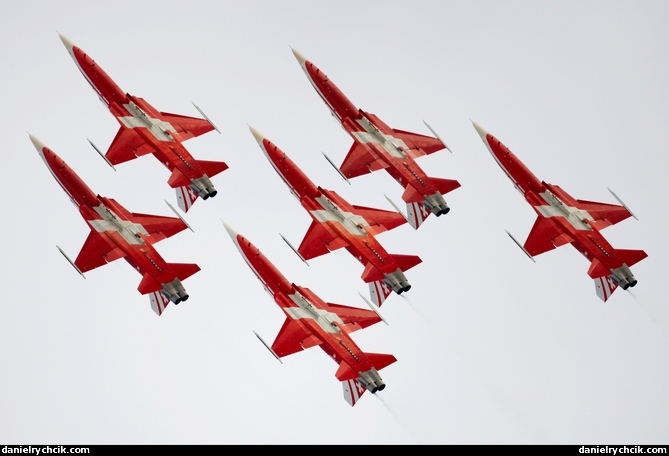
(310, 322)
(145, 130)
(117, 233)
(337, 224)
(377, 146)
(563, 219)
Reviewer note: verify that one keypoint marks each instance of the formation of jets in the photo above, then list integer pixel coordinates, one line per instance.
(117, 233)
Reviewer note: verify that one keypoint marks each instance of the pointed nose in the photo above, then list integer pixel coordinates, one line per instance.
(39, 145)
(257, 135)
(68, 44)
(480, 130)
(231, 232)
(300, 58)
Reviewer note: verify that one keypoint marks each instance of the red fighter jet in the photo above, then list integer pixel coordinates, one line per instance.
(117, 233)
(377, 146)
(145, 130)
(565, 220)
(337, 224)
(310, 322)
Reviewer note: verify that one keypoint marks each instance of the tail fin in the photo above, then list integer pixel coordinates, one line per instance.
(184, 270)
(353, 390)
(379, 291)
(186, 197)
(212, 168)
(158, 302)
(604, 287)
(417, 213)
(631, 257)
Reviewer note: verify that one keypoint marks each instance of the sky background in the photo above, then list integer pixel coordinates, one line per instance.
(492, 348)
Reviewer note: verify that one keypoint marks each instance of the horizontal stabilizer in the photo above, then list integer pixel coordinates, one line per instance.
(597, 269)
(148, 285)
(184, 270)
(380, 360)
(189, 127)
(406, 262)
(604, 287)
(411, 195)
(345, 372)
(371, 274)
(177, 179)
(631, 257)
(126, 146)
(445, 185)
(212, 168)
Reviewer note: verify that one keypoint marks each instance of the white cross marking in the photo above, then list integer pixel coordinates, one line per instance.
(556, 208)
(111, 222)
(306, 309)
(138, 118)
(354, 224)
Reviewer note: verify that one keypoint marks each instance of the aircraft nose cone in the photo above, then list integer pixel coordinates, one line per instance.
(231, 232)
(300, 58)
(68, 44)
(480, 130)
(39, 145)
(257, 135)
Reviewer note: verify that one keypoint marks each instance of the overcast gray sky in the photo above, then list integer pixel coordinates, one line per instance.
(491, 347)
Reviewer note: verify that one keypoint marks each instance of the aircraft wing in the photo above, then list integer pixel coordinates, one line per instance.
(159, 227)
(354, 318)
(545, 236)
(319, 241)
(604, 214)
(359, 161)
(189, 127)
(418, 144)
(380, 220)
(126, 146)
(293, 337)
(96, 252)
